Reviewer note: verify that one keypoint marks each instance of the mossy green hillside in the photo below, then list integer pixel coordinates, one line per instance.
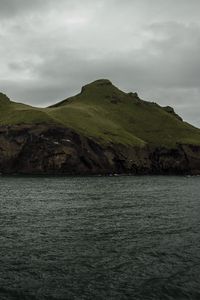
(12, 113)
(107, 114)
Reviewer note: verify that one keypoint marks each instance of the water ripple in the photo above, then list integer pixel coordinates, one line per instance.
(99, 238)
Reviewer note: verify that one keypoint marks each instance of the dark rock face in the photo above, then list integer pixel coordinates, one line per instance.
(3, 99)
(170, 110)
(46, 149)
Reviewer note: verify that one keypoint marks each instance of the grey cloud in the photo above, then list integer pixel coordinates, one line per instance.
(49, 50)
(15, 8)
(10, 8)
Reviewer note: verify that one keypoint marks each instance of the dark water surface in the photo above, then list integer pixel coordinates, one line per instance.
(100, 238)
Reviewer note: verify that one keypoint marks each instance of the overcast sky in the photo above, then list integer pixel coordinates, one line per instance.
(49, 49)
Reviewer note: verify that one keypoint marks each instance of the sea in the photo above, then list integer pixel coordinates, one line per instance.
(88, 238)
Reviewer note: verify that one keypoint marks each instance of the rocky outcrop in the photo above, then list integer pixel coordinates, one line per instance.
(4, 99)
(50, 149)
(170, 110)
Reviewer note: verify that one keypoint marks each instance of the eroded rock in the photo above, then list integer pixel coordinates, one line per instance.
(48, 149)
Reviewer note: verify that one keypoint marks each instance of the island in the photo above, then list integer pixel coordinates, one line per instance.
(100, 131)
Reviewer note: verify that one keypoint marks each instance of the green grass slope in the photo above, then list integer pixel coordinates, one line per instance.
(12, 113)
(105, 113)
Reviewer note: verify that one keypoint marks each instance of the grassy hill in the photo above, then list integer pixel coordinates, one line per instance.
(17, 113)
(105, 113)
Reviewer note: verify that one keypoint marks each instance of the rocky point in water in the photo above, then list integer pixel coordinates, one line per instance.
(102, 130)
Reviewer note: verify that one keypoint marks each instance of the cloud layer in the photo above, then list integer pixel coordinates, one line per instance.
(48, 50)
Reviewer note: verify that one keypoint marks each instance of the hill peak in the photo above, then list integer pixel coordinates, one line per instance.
(98, 90)
(100, 83)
